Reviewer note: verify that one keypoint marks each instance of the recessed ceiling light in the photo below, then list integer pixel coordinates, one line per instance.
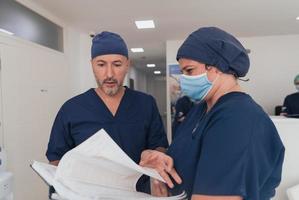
(137, 50)
(145, 24)
(6, 31)
(157, 72)
(151, 65)
(297, 18)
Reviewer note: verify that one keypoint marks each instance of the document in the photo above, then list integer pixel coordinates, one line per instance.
(97, 169)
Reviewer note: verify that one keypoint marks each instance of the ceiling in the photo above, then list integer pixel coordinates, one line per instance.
(175, 19)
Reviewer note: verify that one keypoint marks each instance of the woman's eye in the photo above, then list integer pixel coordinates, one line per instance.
(189, 71)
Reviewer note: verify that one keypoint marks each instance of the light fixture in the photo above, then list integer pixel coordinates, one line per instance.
(145, 24)
(137, 50)
(6, 31)
(297, 18)
(157, 72)
(151, 65)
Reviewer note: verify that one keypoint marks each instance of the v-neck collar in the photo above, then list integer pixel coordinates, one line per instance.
(121, 103)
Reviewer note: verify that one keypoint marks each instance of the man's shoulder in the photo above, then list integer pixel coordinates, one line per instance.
(138, 95)
(293, 95)
(83, 97)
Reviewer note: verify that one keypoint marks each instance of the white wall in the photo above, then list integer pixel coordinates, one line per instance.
(78, 55)
(274, 64)
(288, 130)
(156, 86)
(171, 51)
(35, 82)
(139, 78)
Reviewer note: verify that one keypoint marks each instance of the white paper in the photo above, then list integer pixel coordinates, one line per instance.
(98, 169)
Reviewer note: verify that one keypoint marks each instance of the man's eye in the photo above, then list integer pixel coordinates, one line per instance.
(100, 65)
(117, 64)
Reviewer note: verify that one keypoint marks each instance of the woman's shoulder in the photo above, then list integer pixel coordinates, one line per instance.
(239, 105)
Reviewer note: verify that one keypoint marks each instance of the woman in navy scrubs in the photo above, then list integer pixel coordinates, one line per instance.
(227, 147)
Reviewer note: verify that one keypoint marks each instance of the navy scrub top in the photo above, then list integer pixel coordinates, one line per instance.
(136, 126)
(291, 103)
(234, 149)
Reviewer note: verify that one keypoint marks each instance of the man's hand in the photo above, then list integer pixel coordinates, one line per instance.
(55, 162)
(158, 188)
(162, 163)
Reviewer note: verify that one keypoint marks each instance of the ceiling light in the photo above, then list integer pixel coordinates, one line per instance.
(157, 72)
(297, 18)
(6, 31)
(137, 50)
(151, 65)
(145, 24)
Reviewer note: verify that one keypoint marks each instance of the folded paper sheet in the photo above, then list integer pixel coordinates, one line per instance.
(97, 169)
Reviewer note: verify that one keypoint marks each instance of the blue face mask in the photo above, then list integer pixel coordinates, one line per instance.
(195, 87)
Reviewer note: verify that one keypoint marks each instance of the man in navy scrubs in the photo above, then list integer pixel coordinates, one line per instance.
(291, 102)
(227, 148)
(130, 117)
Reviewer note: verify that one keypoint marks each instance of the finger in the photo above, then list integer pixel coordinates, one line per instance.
(160, 189)
(156, 190)
(163, 189)
(169, 163)
(156, 182)
(175, 176)
(166, 178)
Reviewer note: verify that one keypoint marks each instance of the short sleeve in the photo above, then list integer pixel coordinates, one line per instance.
(239, 156)
(156, 136)
(286, 104)
(60, 138)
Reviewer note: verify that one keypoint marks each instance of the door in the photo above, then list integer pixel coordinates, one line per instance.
(35, 83)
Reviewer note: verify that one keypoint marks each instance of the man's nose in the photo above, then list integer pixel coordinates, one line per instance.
(110, 72)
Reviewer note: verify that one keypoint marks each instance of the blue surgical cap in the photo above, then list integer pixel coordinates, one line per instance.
(108, 43)
(215, 47)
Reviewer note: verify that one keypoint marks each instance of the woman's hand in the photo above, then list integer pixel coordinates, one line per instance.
(162, 163)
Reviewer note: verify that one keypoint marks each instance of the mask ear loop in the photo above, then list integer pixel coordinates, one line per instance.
(208, 67)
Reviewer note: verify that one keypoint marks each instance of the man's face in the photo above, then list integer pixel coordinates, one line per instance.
(110, 71)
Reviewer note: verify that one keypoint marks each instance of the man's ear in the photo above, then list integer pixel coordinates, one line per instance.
(128, 65)
(92, 63)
